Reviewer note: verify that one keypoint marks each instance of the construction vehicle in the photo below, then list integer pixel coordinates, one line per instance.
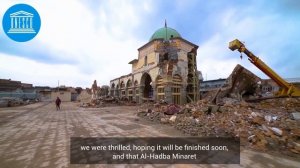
(286, 89)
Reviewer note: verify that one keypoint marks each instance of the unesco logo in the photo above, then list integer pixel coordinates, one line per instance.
(21, 22)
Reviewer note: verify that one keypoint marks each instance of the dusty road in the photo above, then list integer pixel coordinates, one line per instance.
(39, 136)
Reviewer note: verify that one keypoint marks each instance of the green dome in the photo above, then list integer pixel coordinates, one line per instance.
(165, 33)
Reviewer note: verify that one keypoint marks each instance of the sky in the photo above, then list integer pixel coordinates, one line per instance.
(82, 41)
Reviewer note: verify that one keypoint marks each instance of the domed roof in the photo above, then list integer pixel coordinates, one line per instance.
(165, 33)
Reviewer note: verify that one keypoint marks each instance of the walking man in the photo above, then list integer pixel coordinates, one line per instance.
(57, 102)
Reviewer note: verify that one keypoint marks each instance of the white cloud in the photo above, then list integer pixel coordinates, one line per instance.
(262, 36)
(101, 41)
(30, 71)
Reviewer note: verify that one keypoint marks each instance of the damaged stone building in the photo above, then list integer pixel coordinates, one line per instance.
(165, 69)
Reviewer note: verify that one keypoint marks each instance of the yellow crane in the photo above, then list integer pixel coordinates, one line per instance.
(286, 89)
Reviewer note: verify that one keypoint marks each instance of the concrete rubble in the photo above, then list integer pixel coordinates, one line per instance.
(241, 83)
(13, 102)
(106, 101)
(266, 125)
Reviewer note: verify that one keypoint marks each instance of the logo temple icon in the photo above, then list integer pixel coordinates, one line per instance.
(21, 22)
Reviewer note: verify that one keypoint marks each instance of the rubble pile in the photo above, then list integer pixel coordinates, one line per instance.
(105, 102)
(266, 124)
(272, 124)
(240, 84)
(13, 102)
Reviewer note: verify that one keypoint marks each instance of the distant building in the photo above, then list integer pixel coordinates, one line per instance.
(8, 85)
(210, 85)
(26, 86)
(63, 93)
(270, 86)
(44, 93)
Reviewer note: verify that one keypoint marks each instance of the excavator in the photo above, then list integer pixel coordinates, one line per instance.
(286, 89)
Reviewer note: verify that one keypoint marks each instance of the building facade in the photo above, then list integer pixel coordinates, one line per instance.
(269, 86)
(210, 85)
(165, 69)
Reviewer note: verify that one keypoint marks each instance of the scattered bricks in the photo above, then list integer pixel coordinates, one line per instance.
(172, 109)
(184, 111)
(295, 132)
(265, 125)
(258, 120)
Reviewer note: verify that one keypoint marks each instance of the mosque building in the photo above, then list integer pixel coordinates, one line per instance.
(165, 69)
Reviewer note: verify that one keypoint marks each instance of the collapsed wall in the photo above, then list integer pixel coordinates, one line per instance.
(241, 83)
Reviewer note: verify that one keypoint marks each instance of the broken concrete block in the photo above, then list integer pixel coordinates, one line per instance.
(164, 120)
(251, 138)
(212, 109)
(256, 114)
(241, 82)
(277, 131)
(270, 118)
(296, 116)
(173, 118)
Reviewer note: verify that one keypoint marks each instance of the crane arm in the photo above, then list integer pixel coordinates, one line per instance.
(287, 88)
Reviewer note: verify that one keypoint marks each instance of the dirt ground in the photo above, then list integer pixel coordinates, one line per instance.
(37, 135)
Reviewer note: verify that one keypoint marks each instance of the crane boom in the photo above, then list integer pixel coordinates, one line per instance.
(287, 89)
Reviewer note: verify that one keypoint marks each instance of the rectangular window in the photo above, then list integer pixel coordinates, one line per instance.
(176, 99)
(145, 61)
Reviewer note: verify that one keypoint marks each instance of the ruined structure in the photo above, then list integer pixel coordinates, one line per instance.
(94, 90)
(165, 69)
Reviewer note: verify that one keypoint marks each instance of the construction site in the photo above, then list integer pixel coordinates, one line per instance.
(160, 97)
(264, 119)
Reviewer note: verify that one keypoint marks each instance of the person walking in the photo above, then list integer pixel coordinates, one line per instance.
(57, 102)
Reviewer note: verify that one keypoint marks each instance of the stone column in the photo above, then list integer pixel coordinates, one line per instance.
(26, 25)
(141, 93)
(16, 22)
(30, 22)
(154, 94)
(19, 23)
(22, 19)
(11, 22)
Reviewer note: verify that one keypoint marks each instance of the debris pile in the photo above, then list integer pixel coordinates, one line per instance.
(13, 102)
(272, 124)
(267, 124)
(240, 84)
(106, 101)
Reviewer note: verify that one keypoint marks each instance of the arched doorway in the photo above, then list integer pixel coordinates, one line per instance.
(129, 90)
(146, 86)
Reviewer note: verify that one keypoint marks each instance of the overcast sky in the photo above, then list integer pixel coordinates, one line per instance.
(80, 41)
